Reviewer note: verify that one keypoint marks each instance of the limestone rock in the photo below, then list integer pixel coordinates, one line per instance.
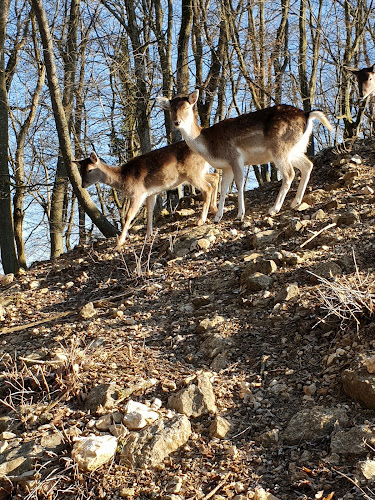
(353, 441)
(288, 293)
(367, 469)
(7, 279)
(261, 494)
(370, 364)
(18, 459)
(104, 395)
(15, 466)
(214, 344)
(209, 323)
(154, 443)
(319, 215)
(104, 422)
(313, 423)
(93, 451)
(261, 266)
(53, 441)
(220, 362)
(87, 311)
(196, 399)
(138, 415)
(219, 427)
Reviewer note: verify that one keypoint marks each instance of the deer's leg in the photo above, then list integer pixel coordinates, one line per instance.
(213, 179)
(305, 166)
(225, 183)
(239, 177)
(287, 173)
(134, 205)
(206, 189)
(150, 205)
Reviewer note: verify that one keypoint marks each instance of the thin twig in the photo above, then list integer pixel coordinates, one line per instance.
(355, 484)
(333, 224)
(220, 485)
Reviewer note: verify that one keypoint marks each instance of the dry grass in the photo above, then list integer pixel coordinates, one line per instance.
(350, 298)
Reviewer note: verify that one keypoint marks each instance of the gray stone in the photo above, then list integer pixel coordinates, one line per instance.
(313, 423)
(214, 344)
(326, 270)
(255, 282)
(260, 266)
(264, 238)
(5, 423)
(104, 395)
(18, 459)
(196, 399)
(353, 441)
(291, 258)
(220, 362)
(268, 439)
(201, 301)
(288, 293)
(347, 218)
(153, 444)
(209, 324)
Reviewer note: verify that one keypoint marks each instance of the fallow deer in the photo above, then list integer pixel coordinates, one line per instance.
(279, 134)
(366, 80)
(145, 176)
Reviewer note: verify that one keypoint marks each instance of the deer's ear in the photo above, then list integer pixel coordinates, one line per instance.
(373, 68)
(193, 97)
(163, 103)
(94, 157)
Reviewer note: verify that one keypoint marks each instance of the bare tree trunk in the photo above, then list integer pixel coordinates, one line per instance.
(96, 216)
(165, 54)
(19, 195)
(8, 250)
(56, 221)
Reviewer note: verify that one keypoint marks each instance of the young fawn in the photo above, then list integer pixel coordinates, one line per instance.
(279, 134)
(144, 177)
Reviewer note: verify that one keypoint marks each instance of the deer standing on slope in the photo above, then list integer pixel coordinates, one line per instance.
(366, 80)
(279, 134)
(145, 176)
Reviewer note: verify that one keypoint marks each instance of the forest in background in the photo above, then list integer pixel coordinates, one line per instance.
(74, 73)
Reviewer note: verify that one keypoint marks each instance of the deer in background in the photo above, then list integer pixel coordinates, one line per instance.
(366, 80)
(144, 177)
(279, 134)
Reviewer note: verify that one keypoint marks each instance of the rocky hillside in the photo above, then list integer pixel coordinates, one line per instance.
(223, 361)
